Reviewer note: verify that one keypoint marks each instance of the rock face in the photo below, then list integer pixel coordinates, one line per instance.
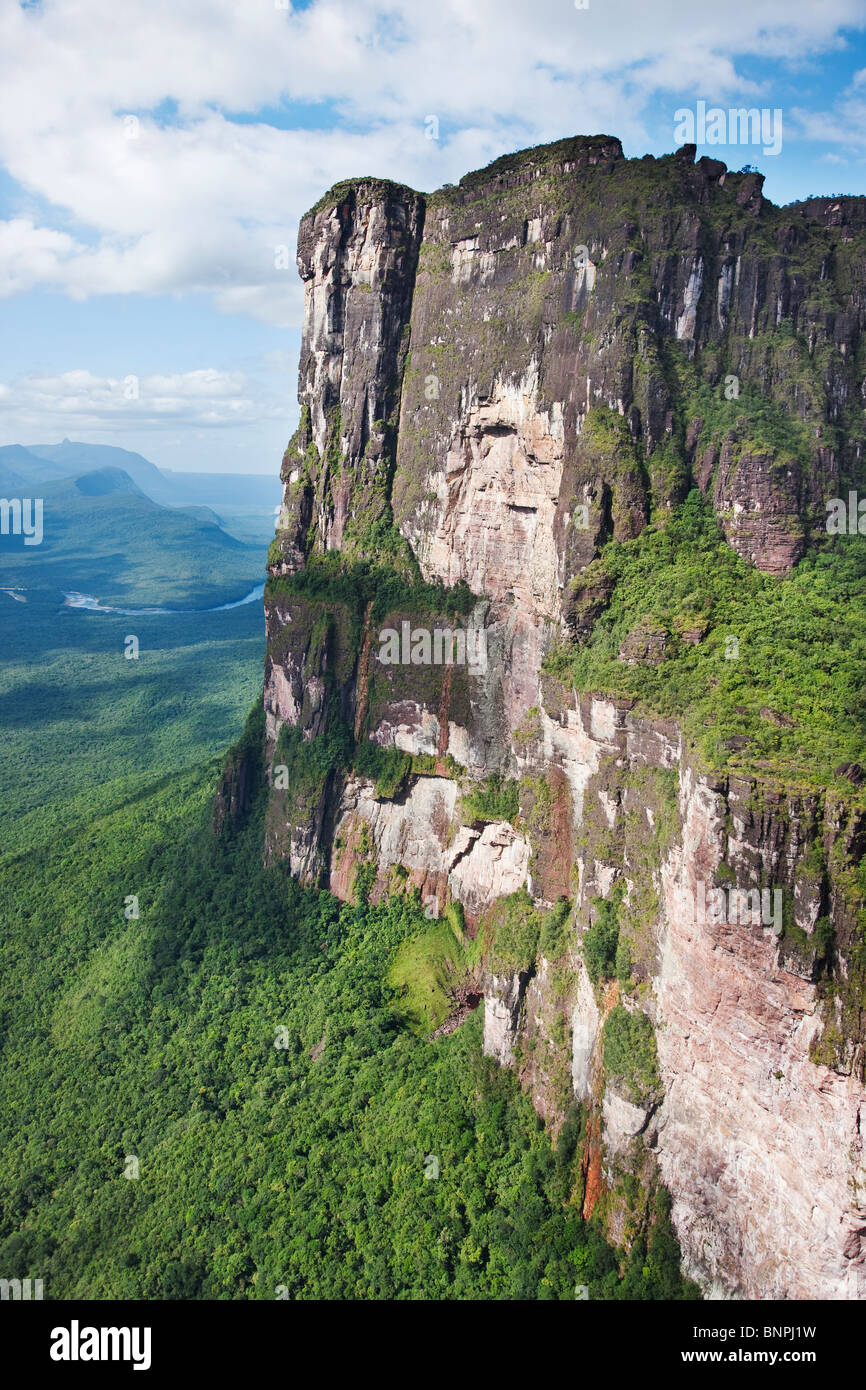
(496, 380)
(749, 1122)
(504, 1000)
(499, 489)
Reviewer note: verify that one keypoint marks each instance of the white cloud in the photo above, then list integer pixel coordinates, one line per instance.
(199, 199)
(844, 124)
(31, 255)
(79, 401)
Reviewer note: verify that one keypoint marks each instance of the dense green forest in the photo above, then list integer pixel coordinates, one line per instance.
(241, 1046)
(762, 672)
(217, 1084)
(84, 727)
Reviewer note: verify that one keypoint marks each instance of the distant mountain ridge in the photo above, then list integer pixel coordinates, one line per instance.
(77, 458)
(243, 503)
(103, 481)
(104, 536)
(29, 463)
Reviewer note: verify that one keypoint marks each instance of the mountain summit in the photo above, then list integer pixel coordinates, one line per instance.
(586, 414)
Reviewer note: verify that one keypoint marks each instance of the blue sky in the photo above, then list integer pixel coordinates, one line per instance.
(154, 154)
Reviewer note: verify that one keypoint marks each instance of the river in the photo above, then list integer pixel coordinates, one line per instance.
(92, 605)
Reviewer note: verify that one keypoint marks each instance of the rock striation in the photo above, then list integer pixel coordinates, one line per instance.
(496, 380)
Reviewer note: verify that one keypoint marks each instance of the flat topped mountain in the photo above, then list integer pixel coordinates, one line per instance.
(591, 412)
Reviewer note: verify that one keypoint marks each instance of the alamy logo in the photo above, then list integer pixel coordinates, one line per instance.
(22, 516)
(76, 1343)
(846, 518)
(708, 906)
(442, 647)
(738, 126)
(20, 1290)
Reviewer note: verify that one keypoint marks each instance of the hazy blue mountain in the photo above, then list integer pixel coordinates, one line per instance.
(102, 481)
(76, 458)
(104, 537)
(28, 467)
(243, 503)
(11, 484)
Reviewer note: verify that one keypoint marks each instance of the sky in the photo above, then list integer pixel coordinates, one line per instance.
(156, 154)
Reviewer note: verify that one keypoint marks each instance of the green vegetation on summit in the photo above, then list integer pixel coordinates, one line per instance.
(774, 664)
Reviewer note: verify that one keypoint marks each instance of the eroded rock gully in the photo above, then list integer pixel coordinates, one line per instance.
(490, 389)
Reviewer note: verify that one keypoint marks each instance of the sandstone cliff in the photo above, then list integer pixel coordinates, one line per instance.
(496, 381)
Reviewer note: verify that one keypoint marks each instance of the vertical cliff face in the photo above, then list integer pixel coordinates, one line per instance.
(750, 1124)
(496, 381)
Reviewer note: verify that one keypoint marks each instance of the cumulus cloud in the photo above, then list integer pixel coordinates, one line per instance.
(164, 145)
(843, 124)
(31, 255)
(79, 401)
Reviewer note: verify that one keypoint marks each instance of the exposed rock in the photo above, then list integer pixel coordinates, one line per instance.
(585, 601)
(503, 998)
(422, 833)
(233, 794)
(750, 1127)
(773, 717)
(644, 646)
(763, 507)
(497, 496)
(692, 633)
(623, 1121)
(490, 370)
(584, 1037)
